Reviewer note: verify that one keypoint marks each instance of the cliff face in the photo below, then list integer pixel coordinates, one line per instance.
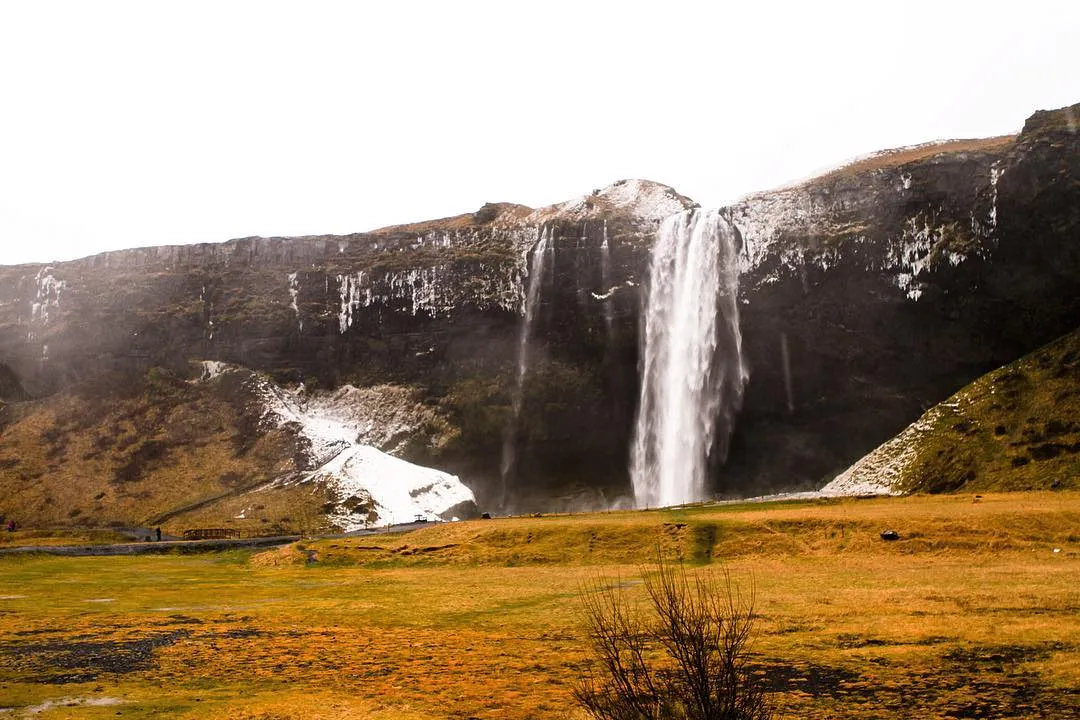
(873, 292)
(436, 305)
(866, 295)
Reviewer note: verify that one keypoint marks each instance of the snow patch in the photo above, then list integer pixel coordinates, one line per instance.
(212, 368)
(846, 485)
(343, 429)
(399, 491)
(882, 471)
(644, 199)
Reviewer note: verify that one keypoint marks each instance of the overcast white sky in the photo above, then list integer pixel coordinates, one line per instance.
(142, 123)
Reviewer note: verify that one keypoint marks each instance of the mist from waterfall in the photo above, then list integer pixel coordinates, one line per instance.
(692, 366)
(537, 263)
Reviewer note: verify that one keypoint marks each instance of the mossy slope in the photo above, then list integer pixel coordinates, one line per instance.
(1016, 428)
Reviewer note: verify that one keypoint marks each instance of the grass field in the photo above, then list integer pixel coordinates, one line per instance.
(974, 613)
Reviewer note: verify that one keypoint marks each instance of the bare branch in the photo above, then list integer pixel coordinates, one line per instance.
(689, 659)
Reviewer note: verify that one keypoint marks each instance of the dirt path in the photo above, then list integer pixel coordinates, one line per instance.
(200, 504)
(194, 546)
(147, 548)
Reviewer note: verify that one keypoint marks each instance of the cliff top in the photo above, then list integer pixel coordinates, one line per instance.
(635, 199)
(896, 157)
(1042, 121)
(644, 199)
(503, 213)
(652, 201)
(1066, 118)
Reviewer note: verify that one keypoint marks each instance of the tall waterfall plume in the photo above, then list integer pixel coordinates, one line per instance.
(537, 263)
(692, 366)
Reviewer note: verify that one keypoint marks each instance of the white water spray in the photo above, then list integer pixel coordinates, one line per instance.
(532, 299)
(692, 366)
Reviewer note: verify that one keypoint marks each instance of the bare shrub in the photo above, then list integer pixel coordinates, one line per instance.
(686, 659)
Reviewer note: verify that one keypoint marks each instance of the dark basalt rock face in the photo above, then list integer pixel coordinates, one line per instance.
(889, 284)
(436, 305)
(881, 288)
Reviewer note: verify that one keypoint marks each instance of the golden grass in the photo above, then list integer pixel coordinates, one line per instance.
(62, 463)
(904, 156)
(993, 522)
(61, 536)
(971, 610)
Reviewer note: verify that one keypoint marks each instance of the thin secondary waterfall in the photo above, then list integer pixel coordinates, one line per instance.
(692, 366)
(605, 279)
(532, 298)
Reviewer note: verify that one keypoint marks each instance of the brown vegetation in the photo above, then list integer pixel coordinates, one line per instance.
(916, 153)
(689, 658)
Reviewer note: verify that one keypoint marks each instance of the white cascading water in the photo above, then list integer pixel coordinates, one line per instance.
(692, 366)
(532, 299)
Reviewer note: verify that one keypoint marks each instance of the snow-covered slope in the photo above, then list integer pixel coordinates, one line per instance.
(341, 433)
(379, 488)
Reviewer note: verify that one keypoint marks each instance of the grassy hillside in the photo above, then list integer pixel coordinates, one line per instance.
(973, 613)
(151, 450)
(703, 534)
(1016, 428)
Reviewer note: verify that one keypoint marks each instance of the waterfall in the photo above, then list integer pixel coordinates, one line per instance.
(605, 279)
(692, 366)
(532, 298)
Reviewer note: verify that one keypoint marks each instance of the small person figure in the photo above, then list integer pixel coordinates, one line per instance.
(11, 526)
(158, 533)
